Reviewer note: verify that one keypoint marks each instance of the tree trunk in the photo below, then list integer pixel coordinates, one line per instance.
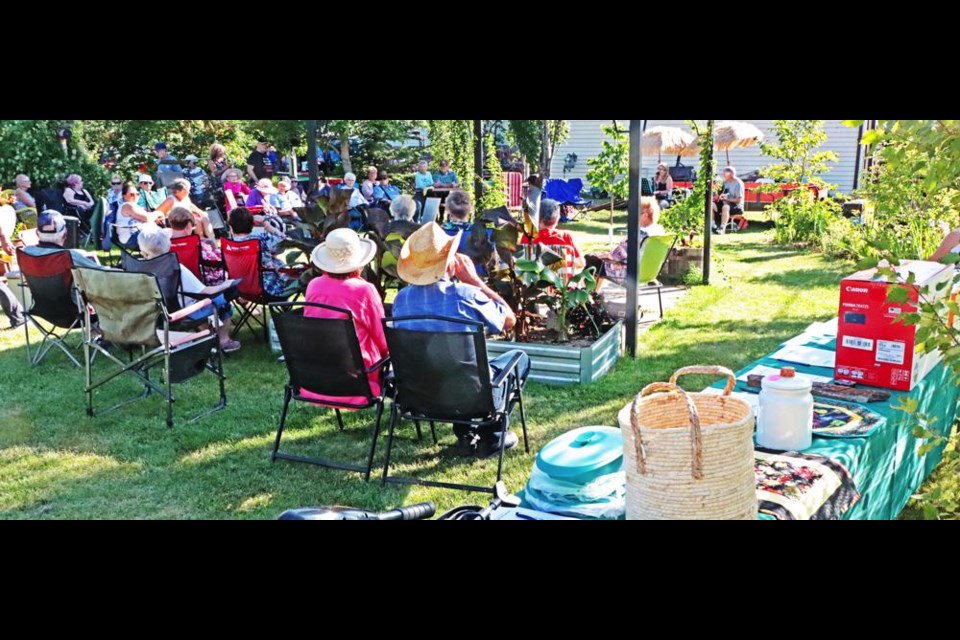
(545, 151)
(345, 153)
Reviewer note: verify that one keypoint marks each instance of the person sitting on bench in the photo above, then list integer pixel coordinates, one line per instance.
(730, 202)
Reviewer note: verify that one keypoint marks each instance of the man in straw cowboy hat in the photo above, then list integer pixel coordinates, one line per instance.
(342, 258)
(428, 261)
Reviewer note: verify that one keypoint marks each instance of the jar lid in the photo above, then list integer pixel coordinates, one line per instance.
(581, 451)
(787, 380)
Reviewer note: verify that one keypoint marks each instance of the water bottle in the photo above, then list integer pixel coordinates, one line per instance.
(785, 418)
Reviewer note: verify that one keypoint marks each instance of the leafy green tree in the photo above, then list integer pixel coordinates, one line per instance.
(538, 141)
(130, 142)
(685, 217)
(374, 136)
(526, 136)
(609, 168)
(32, 147)
(494, 192)
(452, 140)
(800, 218)
(796, 149)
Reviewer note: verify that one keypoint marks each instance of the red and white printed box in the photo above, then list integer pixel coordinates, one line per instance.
(872, 348)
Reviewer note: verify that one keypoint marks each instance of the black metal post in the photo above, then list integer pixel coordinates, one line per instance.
(633, 235)
(856, 165)
(477, 160)
(312, 155)
(708, 202)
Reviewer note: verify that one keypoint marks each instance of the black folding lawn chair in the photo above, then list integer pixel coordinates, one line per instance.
(133, 315)
(445, 377)
(323, 357)
(52, 299)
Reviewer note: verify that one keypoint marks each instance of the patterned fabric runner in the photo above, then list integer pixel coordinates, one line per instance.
(800, 486)
(836, 419)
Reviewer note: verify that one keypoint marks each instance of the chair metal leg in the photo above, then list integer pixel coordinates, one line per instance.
(339, 419)
(660, 299)
(169, 398)
(88, 376)
(504, 425)
(390, 429)
(419, 431)
(373, 444)
(433, 431)
(287, 395)
(523, 419)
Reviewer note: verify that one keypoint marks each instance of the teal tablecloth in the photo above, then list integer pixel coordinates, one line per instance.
(885, 465)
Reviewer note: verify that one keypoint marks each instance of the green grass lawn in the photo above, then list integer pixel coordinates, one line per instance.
(57, 463)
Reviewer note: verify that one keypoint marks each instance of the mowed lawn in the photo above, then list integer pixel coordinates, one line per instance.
(57, 463)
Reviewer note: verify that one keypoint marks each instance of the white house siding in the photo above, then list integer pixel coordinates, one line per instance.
(586, 137)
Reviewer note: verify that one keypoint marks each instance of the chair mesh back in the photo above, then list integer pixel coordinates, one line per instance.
(443, 375)
(242, 260)
(431, 209)
(188, 252)
(166, 268)
(51, 286)
(655, 250)
(322, 354)
(127, 304)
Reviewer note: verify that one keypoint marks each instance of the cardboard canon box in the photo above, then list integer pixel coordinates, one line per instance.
(874, 349)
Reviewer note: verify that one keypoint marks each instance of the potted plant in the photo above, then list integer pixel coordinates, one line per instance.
(561, 324)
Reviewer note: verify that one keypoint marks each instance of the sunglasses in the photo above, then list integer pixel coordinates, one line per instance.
(116, 184)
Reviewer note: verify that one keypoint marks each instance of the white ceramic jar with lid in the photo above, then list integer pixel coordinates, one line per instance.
(785, 418)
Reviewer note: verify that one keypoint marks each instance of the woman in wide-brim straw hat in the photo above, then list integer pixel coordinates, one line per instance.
(342, 258)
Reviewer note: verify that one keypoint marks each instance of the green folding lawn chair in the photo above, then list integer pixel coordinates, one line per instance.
(133, 316)
(655, 252)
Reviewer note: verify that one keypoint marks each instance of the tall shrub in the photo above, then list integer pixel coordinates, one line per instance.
(32, 147)
(494, 189)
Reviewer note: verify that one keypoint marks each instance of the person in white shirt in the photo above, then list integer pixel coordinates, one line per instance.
(155, 242)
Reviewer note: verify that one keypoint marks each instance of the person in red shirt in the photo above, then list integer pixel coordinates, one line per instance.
(548, 234)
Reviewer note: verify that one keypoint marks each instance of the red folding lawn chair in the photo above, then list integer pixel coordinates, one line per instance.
(52, 299)
(190, 254)
(241, 259)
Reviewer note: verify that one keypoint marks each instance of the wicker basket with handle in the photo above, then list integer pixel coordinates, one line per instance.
(689, 455)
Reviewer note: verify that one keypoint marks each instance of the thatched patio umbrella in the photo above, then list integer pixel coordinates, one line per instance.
(734, 135)
(668, 140)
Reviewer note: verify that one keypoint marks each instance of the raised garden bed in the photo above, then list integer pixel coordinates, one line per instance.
(565, 364)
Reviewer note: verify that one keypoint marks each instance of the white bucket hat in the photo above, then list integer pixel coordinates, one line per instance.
(343, 252)
(265, 187)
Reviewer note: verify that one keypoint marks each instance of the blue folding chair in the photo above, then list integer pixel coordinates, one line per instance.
(567, 193)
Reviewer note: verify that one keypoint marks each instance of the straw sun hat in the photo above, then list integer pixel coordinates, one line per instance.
(343, 252)
(426, 254)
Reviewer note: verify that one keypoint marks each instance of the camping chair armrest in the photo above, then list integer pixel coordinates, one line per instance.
(503, 373)
(176, 341)
(380, 364)
(186, 311)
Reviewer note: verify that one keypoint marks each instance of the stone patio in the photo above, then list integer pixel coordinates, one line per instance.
(616, 301)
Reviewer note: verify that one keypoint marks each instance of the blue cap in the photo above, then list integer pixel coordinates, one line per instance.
(47, 222)
(159, 146)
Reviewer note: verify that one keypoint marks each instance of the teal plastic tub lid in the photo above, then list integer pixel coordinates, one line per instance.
(581, 451)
